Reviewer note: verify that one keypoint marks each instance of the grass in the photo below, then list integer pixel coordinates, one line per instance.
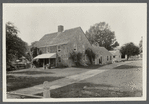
(15, 83)
(30, 72)
(80, 90)
(92, 66)
(127, 67)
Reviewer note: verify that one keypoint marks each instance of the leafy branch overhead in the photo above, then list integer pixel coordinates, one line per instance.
(15, 46)
(102, 34)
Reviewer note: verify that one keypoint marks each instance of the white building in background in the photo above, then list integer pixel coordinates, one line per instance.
(116, 55)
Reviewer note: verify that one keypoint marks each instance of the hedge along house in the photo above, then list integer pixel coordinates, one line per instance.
(103, 56)
(116, 55)
(56, 47)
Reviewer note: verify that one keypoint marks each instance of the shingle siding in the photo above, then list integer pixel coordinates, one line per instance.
(64, 43)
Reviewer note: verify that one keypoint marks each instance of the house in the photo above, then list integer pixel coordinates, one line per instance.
(56, 47)
(116, 55)
(103, 56)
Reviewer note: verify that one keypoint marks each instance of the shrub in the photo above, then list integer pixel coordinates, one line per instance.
(90, 54)
(76, 58)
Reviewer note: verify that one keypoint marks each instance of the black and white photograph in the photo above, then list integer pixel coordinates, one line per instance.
(59, 52)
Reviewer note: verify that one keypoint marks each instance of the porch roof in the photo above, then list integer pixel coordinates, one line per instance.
(46, 56)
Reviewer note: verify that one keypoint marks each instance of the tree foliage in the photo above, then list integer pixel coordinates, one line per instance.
(129, 49)
(76, 57)
(102, 34)
(15, 46)
(91, 55)
(35, 51)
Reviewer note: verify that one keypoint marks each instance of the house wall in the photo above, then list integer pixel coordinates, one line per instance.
(103, 58)
(62, 56)
(80, 42)
(117, 56)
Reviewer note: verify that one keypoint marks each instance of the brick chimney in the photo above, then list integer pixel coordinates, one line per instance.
(60, 28)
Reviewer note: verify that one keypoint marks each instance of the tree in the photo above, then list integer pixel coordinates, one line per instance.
(35, 51)
(15, 46)
(102, 34)
(129, 49)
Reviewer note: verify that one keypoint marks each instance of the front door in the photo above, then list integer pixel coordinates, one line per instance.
(100, 60)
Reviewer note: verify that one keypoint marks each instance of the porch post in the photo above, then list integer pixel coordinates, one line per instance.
(49, 63)
(43, 63)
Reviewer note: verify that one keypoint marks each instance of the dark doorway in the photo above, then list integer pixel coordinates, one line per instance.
(53, 62)
(100, 60)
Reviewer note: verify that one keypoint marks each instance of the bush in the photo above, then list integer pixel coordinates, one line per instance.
(76, 58)
(90, 54)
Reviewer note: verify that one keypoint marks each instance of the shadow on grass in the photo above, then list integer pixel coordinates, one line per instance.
(30, 72)
(79, 90)
(127, 67)
(91, 66)
(15, 83)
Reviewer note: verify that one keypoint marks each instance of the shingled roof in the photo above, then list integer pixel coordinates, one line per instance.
(101, 50)
(58, 37)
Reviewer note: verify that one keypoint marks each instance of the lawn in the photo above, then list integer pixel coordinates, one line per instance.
(15, 83)
(29, 72)
(130, 65)
(88, 90)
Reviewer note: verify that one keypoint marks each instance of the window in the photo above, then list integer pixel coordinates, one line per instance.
(110, 58)
(107, 58)
(113, 56)
(49, 49)
(75, 47)
(58, 49)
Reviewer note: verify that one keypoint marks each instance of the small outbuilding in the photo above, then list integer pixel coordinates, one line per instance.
(116, 55)
(103, 56)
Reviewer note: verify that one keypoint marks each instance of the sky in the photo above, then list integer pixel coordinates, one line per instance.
(127, 20)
